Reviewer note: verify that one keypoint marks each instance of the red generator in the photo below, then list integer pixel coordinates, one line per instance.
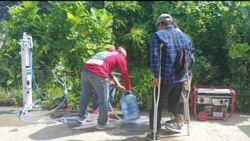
(213, 102)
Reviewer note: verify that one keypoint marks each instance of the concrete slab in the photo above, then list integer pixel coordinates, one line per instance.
(236, 128)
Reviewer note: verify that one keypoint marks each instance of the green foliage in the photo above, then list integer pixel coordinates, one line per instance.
(81, 33)
(68, 33)
(52, 90)
(142, 86)
(23, 18)
(10, 96)
(240, 51)
(239, 64)
(139, 40)
(131, 30)
(203, 72)
(8, 72)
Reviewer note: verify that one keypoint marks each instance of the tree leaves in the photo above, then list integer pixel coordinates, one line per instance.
(72, 19)
(239, 51)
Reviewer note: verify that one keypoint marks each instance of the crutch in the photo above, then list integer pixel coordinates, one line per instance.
(186, 104)
(156, 101)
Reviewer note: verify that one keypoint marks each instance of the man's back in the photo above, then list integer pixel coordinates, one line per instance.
(169, 53)
(103, 63)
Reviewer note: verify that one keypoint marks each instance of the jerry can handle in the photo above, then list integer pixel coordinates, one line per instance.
(126, 93)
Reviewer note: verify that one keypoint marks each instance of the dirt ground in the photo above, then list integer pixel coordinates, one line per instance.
(236, 128)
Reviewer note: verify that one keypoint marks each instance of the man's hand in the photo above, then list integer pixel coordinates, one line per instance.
(127, 91)
(121, 87)
(156, 82)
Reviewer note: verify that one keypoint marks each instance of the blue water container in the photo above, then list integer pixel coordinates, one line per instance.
(129, 105)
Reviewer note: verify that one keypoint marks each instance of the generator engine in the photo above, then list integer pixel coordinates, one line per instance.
(211, 102)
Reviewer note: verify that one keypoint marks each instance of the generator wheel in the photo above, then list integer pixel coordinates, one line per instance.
(202, 116)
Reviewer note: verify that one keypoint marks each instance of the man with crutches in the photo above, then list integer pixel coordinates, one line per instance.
(166, 83)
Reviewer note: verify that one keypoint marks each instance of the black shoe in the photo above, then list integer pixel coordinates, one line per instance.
(173, 127)
(150, 137)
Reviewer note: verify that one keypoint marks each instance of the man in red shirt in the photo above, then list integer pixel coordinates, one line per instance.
(94, 76)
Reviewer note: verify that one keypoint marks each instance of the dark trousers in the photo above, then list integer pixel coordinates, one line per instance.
(171, 93)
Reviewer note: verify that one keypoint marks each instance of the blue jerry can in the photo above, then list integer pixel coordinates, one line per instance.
(129, 106)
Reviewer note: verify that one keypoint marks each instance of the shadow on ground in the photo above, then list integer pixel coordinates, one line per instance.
(6, 112)
(237, 120)
(245, 129)
(62, 130)
(58, 131)
(235, 128)
(132, 132)
(10, 114)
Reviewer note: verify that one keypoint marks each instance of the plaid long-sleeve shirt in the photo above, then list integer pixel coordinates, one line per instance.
(168, 72)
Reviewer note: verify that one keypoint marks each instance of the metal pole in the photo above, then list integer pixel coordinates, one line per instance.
(26, 57)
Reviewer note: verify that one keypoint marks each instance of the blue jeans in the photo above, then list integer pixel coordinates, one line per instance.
(111, 96)
(89, 83)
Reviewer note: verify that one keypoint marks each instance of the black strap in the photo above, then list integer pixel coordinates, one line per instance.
(191, 42)
(174, 38)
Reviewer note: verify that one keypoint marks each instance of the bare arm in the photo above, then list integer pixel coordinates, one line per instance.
(118, 83)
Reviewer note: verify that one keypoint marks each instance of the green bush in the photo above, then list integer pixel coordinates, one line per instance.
(142, 86)
(66, 35)
(239, 64)
(11, 97)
